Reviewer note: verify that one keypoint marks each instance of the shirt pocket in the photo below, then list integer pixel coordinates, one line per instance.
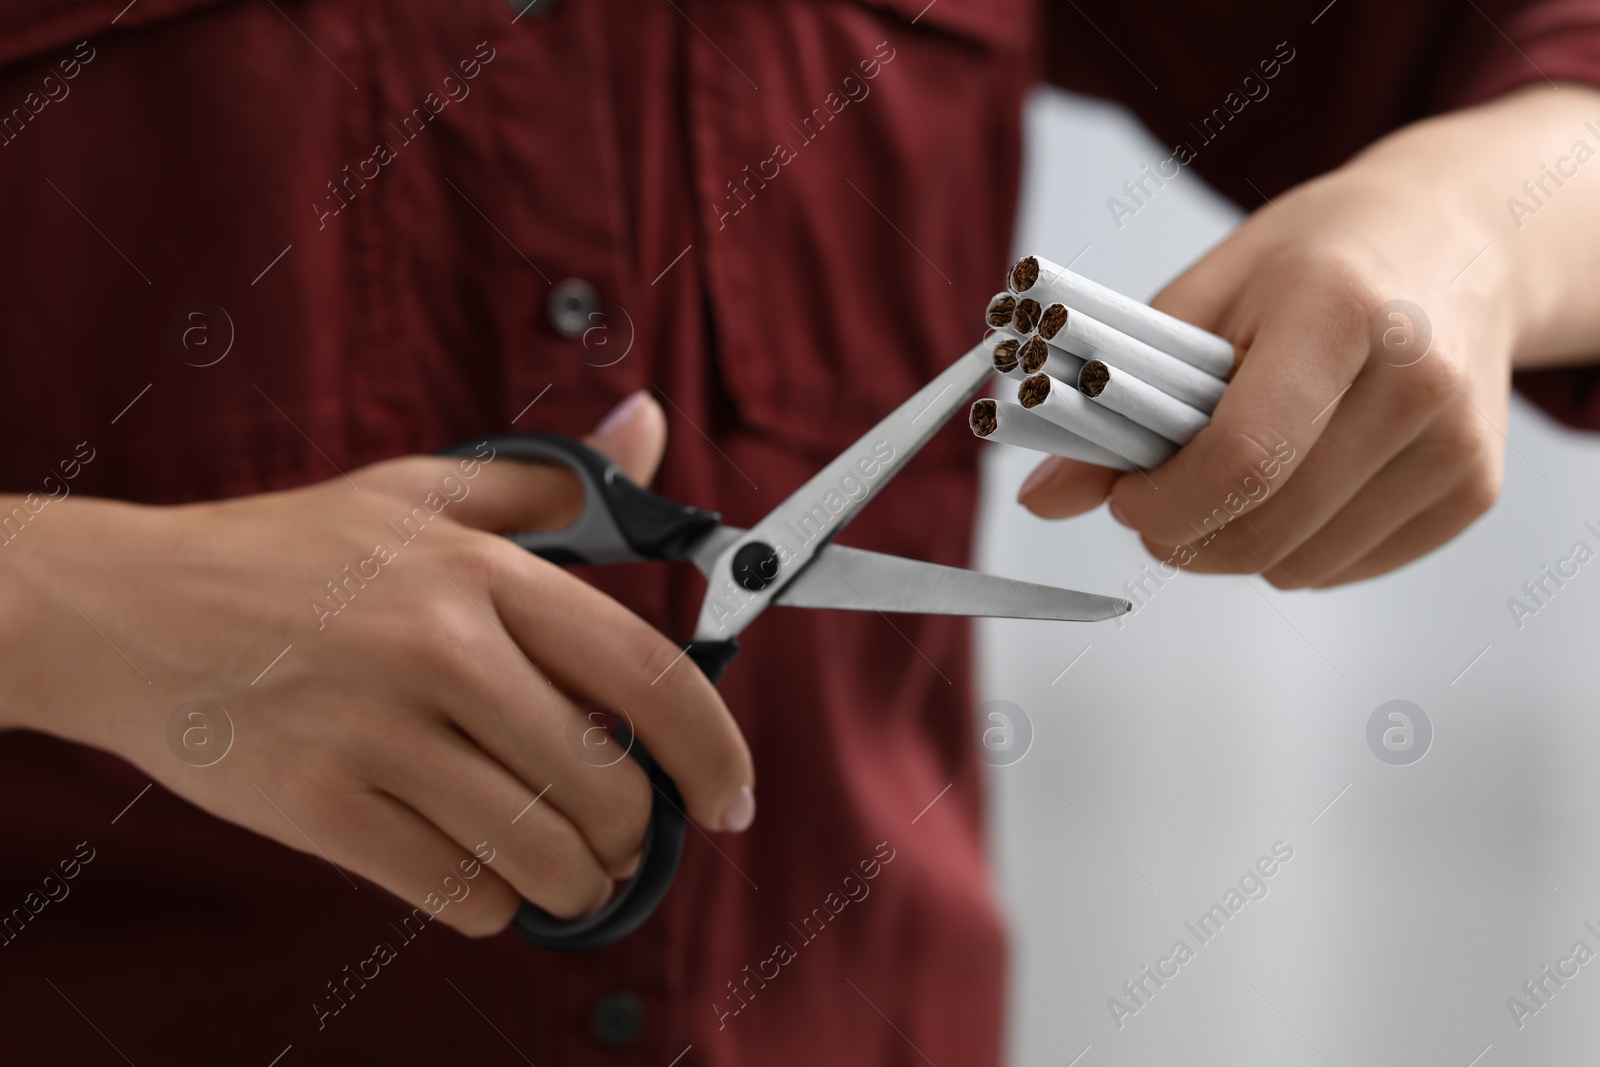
(857, 199)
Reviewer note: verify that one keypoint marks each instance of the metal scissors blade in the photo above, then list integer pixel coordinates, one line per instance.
(857, 580)
(784, 542)
(854, 579)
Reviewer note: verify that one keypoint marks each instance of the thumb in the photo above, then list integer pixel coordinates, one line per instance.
(503, 495)
(634, 436)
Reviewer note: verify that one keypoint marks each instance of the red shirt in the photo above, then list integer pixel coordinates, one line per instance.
(792, 214)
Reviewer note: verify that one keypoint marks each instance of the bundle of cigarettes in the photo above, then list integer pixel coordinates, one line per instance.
(1100, 377)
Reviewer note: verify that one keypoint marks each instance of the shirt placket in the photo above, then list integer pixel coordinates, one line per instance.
(571, 355)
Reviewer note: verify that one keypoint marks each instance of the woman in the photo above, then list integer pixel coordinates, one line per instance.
(265, 257)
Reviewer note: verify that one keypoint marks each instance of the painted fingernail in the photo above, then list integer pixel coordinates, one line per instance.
(620, 414)
(1118, 514)
(1041, 474)
(741, 813)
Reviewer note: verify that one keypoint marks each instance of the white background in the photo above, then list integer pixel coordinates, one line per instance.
(1226, 716)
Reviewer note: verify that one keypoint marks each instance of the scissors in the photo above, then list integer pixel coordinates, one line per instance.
(787, 559)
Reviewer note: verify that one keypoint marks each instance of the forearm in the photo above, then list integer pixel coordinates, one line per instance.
(13, 613)
(1518, 189)
(50, 607)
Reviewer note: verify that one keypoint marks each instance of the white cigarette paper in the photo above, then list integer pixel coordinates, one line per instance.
(1087, 337)
(1049, 283)
(1141, 402)
(1063, 405)
(1012, 424)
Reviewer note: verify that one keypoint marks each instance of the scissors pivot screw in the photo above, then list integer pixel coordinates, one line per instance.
(755, 566)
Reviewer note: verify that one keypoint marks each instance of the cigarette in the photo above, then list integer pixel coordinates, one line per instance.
(1025, 317)
(1070, 409)
(1011, 424)
(1001, 306)
(1141, 402)
(1049, 282)
(1088, 337)
(1006, 361)
(1000, 348)
(1039, 358)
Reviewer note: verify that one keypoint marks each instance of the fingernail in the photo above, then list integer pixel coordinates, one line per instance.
(620, 414)
(605, 898)
(1118, 514)
(741, 813)
(1041, 474)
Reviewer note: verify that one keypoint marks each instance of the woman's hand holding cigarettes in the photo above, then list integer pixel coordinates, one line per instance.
(1342, 448)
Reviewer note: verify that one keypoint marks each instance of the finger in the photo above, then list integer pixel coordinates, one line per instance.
(387, 842)
(634, 435)
(473, 799)
(596, 650)
(487, 491)
(1419, 536)
(1061, 487)
(1307, 350)
(1428, 471)
(1385, 410)
(516, 716)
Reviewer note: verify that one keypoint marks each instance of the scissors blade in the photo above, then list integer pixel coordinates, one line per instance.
(856, 580)
(796, 529)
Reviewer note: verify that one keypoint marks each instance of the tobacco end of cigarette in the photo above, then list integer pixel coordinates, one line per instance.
(1026, 316)
(1005, 355)
(1238, 358)
(1000, 309)
(1024, 274)
(1032, 391)
(983, 419)
(1034, 354)
(1051, 321)
(1093, 377)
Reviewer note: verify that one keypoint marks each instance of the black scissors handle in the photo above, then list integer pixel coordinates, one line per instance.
(620, 522)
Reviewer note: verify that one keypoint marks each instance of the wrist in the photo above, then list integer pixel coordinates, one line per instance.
(1507, 175)
(53, 653)
(20, 602)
